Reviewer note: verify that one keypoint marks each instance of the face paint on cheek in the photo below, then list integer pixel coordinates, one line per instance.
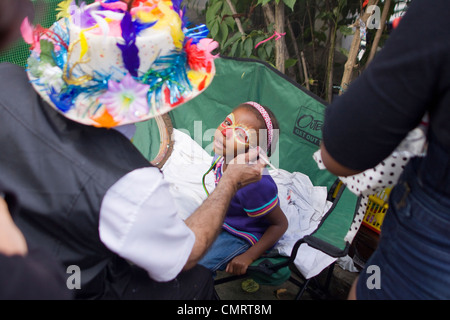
(228, 122)
(230, 129)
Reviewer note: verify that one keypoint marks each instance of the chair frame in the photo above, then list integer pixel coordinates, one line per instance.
(312, 284)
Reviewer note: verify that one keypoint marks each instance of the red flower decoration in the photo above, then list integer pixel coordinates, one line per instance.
(196, 57)
(199, 55)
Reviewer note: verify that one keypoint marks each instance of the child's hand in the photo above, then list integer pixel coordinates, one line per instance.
(239, 264)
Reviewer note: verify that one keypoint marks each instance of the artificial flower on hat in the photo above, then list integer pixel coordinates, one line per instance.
(117, 62)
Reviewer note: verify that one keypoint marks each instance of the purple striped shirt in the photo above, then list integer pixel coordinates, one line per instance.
(246, 214)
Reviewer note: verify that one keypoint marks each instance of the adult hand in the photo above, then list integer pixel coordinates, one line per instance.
(12, 241)
(207, 220)
(245, 168)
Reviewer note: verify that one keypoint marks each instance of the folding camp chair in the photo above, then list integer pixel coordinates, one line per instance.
(300, 115)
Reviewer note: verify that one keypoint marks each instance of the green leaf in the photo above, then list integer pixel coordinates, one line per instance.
(230, 22)
(231, 40)
(248, 46)
(290, 62)
(290, 3)
(47, 49)
(240, 49)
(211, 12)
(269, 48)
(254, 33)
(263, 2)
(214, 29)
(325, 15)
(336, 12)
(258, 40)
(33, 66)
(262, 53)
(346, 31)
(234, 48)
(223, 33)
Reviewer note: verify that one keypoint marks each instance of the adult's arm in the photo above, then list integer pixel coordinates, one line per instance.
(207, 220)
(139, 221)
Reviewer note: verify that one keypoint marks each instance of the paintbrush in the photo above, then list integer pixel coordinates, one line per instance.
(266, 160)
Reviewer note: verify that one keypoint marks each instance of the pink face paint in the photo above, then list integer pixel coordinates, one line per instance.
(240, 133)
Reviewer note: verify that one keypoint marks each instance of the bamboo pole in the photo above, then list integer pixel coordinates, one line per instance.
(350, 64)
(236, 19)
(379, 33)
(268, 14)
(278, 19)
(305, 71)
(280, 46)
(330, 65)
(296, 50)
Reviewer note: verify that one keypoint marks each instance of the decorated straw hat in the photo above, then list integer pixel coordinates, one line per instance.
(117, 62)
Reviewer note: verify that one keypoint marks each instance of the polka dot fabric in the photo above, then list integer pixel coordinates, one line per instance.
(369, 182)
(384, 175)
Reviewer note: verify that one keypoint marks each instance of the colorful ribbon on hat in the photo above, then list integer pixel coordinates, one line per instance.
(267, 120)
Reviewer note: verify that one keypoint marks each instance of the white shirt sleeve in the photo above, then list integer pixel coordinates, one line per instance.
(139, 222)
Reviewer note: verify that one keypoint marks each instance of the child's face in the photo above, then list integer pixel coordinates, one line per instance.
(236, 133)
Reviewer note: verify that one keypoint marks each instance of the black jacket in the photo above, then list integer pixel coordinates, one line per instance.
(61, 170)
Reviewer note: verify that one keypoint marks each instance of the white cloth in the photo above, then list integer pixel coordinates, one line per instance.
(184, 170)
(303, 204)
(139, 222)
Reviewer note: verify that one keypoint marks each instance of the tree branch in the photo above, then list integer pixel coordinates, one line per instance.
(350, 64)
(237, 20)
(376, 40)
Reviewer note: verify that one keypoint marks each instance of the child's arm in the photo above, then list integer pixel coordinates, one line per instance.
(238, 265)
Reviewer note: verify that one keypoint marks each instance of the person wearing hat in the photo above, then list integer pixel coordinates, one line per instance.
(24, 274)
(88, 195)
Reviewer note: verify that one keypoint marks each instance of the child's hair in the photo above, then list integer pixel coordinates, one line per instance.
(275, 124)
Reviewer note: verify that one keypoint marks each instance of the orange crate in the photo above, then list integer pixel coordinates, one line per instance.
(376, 210)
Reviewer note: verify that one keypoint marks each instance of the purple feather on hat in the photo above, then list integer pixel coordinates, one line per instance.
(130, 52)
(81, 16)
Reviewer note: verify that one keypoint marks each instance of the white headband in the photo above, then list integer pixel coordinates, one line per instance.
(267, 120)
